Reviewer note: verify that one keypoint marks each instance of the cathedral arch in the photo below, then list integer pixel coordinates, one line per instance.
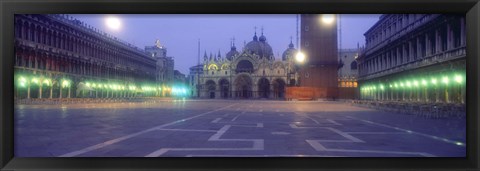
(211, 86)
(279, 88)
(243, 86)
(212, 67)
(244, 66)
(225, 66)
(224, 88)
(263, 87)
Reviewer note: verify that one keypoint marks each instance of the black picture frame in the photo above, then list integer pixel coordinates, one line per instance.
(471, 8)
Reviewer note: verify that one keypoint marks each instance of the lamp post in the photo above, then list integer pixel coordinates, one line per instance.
(65, 84)
(22, 83)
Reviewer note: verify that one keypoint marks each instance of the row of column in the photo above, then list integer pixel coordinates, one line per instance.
(454, 93)
(47, 63)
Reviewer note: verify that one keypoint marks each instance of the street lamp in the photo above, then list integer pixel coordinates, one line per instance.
(65, 83)
(22, 81)
(458, 79)
(445, 80)
(328, 18)
(300, 57)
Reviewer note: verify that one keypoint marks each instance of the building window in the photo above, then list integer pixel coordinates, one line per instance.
(306, 44)
(307, 28)
(353, 65)
(225, 72)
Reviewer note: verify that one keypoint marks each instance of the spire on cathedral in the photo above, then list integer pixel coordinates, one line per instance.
(205, 57)
(255, 38)
(291, 43)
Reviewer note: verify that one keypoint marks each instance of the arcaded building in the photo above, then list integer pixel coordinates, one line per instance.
(414, 58)
(58, 56)
(253, 72)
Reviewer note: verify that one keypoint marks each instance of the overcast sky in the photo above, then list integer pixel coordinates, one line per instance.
(180, 33)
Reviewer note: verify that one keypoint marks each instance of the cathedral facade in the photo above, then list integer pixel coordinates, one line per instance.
(251, 73)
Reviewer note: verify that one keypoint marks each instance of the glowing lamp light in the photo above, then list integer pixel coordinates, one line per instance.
(445, 80)
(300, 57)
(415, 83)
(65, 83)
(434, 81)
(46, 82)
(458, 79)
(22, 81)
(401, 84)
(408, 84)
(424, 82)
(35, 80)
(88, 84)
(328, 18)
(131, 88)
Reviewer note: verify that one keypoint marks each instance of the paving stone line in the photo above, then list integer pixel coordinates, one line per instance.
(110, 142)
(412, 132)
(258, 144)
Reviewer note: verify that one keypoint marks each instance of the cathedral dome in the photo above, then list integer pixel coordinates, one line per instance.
(262, 38)
(290, 52)
(260, 48)
(233, 52)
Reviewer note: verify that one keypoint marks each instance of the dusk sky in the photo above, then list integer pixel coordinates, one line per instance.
(180, 33)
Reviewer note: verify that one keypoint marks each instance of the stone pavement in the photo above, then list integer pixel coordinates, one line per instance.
(210, 128)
